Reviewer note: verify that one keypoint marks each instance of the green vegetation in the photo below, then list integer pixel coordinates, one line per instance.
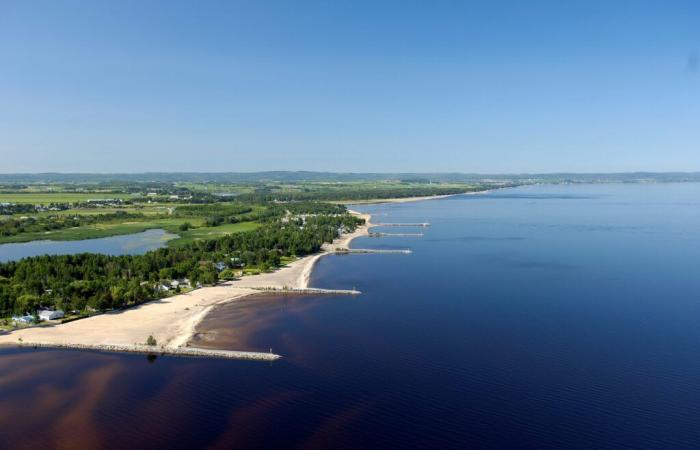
(26, 225)
(193, 210)
(151, 341)
(225, 227)
(46, 198)
(100, 282)
(198, 234)
(98, 230)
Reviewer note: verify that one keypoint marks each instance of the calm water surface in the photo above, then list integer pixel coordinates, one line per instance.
(128, 244)
(538, 317)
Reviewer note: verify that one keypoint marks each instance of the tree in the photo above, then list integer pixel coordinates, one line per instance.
(151, 341)
(227, 274)
(27, 303)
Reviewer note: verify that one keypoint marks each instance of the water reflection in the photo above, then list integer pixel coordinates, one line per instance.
(575, 333)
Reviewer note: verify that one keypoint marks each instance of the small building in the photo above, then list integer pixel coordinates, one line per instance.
(50, 315)
(220, 266)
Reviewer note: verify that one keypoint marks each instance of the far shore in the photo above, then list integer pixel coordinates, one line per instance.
(408, 199)
(172, 320)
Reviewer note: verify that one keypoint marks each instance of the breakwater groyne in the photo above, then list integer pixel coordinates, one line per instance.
(424, 224)
(374, 234)
(307, 290)
(345, 251)
(155, 350)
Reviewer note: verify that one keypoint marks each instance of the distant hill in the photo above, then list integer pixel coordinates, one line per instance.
(301, 176)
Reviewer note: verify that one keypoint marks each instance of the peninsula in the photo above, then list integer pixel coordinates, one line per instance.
(171, 321)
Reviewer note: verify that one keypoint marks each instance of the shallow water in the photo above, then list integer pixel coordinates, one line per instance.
(538, 317)
(128, 244)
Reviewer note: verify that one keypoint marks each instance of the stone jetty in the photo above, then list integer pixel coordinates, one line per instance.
(155, 350)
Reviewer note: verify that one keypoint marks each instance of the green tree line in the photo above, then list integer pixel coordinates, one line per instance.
(76, 282)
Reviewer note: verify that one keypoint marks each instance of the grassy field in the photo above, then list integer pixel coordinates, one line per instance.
(118, 229)
(196, 234)
(147, 210)
(213, 188)
(45, 198)
(100, 230)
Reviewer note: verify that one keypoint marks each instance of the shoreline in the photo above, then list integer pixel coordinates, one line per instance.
(410, 199)
(172, 321)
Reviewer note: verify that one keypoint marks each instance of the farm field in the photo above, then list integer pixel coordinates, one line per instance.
(45, 198)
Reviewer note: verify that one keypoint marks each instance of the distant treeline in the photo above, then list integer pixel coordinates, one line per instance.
(76, 282)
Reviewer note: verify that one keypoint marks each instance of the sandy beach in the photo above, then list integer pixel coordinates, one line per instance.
(409, 199)
(172, 321)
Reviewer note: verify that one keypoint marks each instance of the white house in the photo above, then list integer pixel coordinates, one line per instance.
(50, 315)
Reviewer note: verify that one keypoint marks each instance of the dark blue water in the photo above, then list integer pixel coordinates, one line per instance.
(128, 244)
(539, 317)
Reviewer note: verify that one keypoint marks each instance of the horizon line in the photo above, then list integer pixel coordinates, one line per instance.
(254, 172)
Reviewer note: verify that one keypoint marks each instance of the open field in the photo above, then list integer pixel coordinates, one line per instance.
(154, 209)
(118, 229)
(206, 206)
(44, 198)
(196, 234)
(97, 231)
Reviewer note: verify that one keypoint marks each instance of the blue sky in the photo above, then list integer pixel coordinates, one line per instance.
(493, 86)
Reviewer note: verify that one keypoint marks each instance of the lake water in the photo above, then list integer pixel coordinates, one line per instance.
(128, 244)
(536, 317)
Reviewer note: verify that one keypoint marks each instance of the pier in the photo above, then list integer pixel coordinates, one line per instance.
(155, 350)
(423, 225)
(285, 290)
(374, 234)
(345, 251)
